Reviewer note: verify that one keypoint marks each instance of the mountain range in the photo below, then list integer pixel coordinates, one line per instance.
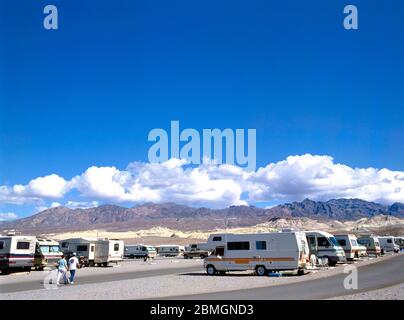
(180, 217)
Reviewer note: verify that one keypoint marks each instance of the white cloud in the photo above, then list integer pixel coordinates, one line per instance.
(297, 177)
(8, 216)
(319, 178)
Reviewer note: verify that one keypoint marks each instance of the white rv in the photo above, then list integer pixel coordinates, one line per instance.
(371, 243)
(387, 244)
(140, 251)
(170, 250)
(261, 252)
(17, 253)
(400, 242)
(93, 252)
(324, 245)
(47, 253)
(349, 242)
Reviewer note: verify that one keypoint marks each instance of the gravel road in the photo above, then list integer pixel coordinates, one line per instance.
(164, 279)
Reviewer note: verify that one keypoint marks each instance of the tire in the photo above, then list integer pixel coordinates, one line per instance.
(132, 256)
(211, 270)
(261, 271)
(222, 273)
(105, 264)
(202, 256)
(300, 272)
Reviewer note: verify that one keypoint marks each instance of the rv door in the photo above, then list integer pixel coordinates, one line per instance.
(312, 244)
(91, 253)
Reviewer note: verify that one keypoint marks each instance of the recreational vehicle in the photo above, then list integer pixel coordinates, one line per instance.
(261, 252)
(140, 251)
(93, 252)
(197, 250)
(400, 242)
(371, 243)
(170, 250)
(388, 245)
(47, 253)
(352, 249)
(17, 253)
(324, 245)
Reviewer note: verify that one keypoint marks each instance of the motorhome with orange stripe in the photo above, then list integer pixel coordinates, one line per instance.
(261, 252)
(349, 243)
(17, 252)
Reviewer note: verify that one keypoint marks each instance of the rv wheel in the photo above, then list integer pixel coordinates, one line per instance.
(203, 256)
(210, 270)
(261, 271)
(105, 264)
(222, 273)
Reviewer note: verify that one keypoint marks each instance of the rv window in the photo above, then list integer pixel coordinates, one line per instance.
(44, 249)
(54, 249)
(363, 242)
(116, 247)
(81, 248)
(22, 245)
(322, 242)
(261, 245)
(1, 245)
(92, 248)
(342, 242)
(354, 243)
(389, 241)
(245, 245)
(144, 249)
(217, 238)
(65, 244)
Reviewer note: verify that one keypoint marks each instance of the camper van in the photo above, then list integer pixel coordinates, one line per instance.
(388, 245)
(371, 243)
(47, 253)
(140, 251)
(197, 250)
(16, 253)
(349, 242)
(170, 250)
(324, 245)
(91, 252)
(261, 252)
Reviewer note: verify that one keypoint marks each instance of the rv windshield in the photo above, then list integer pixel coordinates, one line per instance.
(47, 249)
(334, 242)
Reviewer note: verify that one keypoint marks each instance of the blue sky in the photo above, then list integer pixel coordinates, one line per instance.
(88, 94)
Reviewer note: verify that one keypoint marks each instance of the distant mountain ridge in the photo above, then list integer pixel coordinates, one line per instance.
(181, 217)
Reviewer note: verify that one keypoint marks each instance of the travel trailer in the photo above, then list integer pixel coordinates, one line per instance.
(170, 250)
(17, 253)
(47, 253)
(197, 250)
(140, 251)
(371, 243)
(349, 242)
(261, 252)
(388, 245)
(324, 245)
(93, 252)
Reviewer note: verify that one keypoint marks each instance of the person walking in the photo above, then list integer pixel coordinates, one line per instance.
(62, 270)
(73, 262)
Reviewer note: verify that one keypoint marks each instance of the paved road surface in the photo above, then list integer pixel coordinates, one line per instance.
(370, 277)
(99, 278)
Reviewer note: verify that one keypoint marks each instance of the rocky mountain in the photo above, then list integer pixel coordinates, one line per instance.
(180, 217)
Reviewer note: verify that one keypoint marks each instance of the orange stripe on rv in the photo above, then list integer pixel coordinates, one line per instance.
(248, 260)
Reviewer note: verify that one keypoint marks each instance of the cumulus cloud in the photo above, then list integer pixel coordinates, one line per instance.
(293, 179)
(7, 216)
(319, 178)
